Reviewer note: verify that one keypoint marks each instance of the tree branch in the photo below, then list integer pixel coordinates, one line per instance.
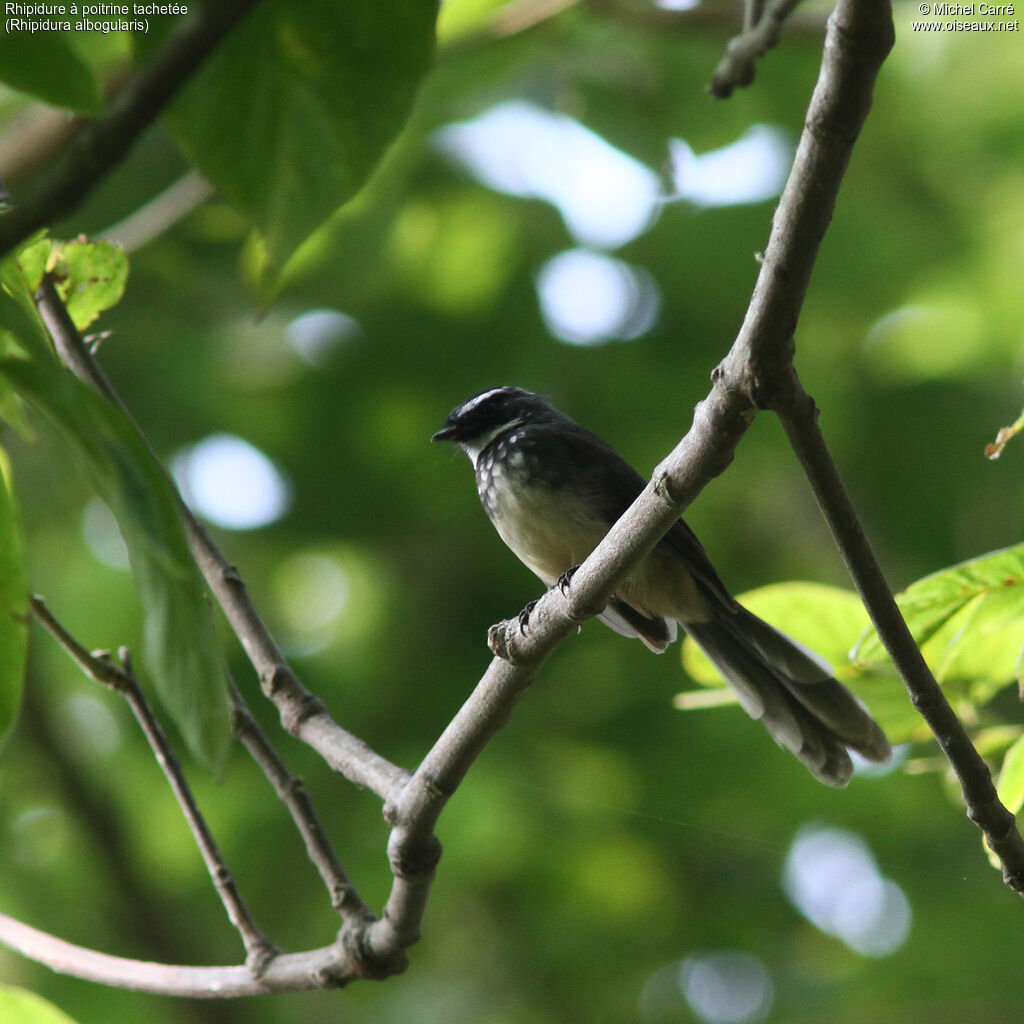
(799, 416)
(362, 949)
(344, 897)
(266, 970)
(104, 670)
(328, 967)
(302, 714)
(103, 143)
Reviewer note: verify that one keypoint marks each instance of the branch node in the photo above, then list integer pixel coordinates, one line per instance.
(413, 855)
(368, 963)
(665, 487)
(230, 574)
(275, 680)
(500, 642)
(300, 711)
(260, 956)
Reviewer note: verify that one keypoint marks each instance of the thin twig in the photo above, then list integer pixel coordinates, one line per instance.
(799, 416)
(743, 51)
(151, 220)
(140, 917)
(103, 669)
(344, 897)
(302, 714)
(103, 143)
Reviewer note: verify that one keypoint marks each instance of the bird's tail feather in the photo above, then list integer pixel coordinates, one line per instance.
(791, 691)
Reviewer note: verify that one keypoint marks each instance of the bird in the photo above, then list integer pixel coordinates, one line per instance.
(552, 489)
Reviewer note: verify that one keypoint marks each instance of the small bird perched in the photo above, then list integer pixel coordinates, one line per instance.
(553, 489)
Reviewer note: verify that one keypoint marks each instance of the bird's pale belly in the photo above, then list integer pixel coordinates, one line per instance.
(546, 530)
(551, 532)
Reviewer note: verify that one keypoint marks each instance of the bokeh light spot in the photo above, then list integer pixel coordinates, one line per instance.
(87, 725)
(588, 298)
(727, 987)
(831, 877)
(314, 335)
(39, 836)
(232, 483)
(750, 170)
(936, 338)
(313, 590)
(605, 196)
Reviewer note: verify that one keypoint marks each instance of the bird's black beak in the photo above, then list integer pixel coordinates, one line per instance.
(446, 433)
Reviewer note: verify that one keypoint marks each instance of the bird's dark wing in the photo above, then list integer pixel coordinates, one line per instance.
(568, 457)
(612, 485)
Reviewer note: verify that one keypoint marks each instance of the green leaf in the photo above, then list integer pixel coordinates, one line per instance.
(33, 258)
(19, 1006)
(291, 115)
(18, 310)
(1010, 787)
(90, 277)
(21, 330)
(980, 646)
(48, 67)
(930, 603)
(13, 606)
(180, 645)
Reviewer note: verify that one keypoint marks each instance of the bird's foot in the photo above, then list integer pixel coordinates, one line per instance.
(524, 617)
(565, 579)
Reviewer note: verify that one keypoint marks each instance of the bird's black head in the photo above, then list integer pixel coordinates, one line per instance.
(483, 417)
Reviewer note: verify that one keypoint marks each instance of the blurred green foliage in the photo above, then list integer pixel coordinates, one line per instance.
(604, 838)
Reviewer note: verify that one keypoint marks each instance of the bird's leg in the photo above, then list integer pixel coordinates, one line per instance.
(524, 616)
(565, 579)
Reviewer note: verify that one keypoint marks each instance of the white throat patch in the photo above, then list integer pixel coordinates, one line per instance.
(477, 445)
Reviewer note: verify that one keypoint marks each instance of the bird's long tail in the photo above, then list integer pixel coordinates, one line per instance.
(792, 692)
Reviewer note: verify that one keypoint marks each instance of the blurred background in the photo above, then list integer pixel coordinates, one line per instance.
(568, 211)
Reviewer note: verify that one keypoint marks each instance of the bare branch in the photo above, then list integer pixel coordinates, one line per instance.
(103, 669)
(800, 419)
(344, 897)
(100, 670)
(328, 967)
(302, 714)
(103, 143)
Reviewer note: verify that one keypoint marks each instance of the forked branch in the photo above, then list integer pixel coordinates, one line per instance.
(102, 668)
